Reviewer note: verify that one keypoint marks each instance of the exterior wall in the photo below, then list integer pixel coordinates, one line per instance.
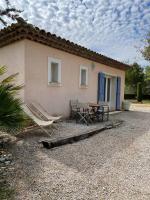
(13, 57)
(56, 99)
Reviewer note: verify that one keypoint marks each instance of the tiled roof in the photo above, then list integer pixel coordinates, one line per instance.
(20, 31)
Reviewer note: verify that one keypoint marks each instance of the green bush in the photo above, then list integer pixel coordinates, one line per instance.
(12, 116)
(139, 92)
(6, 193)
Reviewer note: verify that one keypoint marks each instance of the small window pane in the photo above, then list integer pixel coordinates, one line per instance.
(54, 72)
(83, 76)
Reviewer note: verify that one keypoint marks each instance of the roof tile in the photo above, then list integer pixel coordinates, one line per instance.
(20, 31)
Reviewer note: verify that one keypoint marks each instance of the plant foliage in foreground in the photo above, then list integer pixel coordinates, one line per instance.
(12, 116)
(6, 193)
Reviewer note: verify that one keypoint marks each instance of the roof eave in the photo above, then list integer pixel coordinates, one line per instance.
(17, 32)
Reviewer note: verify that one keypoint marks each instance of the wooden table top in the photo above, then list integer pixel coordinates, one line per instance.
(94, 105)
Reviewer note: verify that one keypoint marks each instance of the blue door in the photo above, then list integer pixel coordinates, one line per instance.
(118, 91)
(101, 87)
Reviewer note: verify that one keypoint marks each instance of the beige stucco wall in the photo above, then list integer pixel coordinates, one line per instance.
(56, 99)
(13, 57)
(30, 59)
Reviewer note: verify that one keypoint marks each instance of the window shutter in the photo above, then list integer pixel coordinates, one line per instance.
(101, 87)
(118, 91)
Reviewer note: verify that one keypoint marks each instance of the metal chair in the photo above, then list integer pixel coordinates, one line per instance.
(74, 108)
(84, 114)
(103, 110)
(80, 112)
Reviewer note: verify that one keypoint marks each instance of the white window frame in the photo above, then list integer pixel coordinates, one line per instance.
(85, 68)
(50, 60)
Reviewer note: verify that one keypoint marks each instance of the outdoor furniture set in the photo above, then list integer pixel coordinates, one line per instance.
(82, 112)
(89, 112)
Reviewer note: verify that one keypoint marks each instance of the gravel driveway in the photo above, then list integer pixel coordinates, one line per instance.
(112, 165)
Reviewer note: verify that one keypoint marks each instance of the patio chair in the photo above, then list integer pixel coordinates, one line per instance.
(41, 113)
(97, 112)
(74, 108)
(84, 114)
(38, 122)
(104, 110)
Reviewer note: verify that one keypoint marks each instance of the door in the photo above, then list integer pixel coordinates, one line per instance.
(104, 88)
(101, 87)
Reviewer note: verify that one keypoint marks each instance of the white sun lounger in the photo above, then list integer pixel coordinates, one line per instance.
(39, 111)
(39, 122)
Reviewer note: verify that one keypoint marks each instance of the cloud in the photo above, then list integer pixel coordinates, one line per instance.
(111, 27)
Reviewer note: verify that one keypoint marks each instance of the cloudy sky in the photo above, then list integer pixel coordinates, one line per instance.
(114, 28)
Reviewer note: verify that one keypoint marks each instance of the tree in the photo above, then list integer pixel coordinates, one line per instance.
(146, 50)
(147, 80)
(11, 113)
(10, 12)
(147, 73)
(134, 75)
(139, 92)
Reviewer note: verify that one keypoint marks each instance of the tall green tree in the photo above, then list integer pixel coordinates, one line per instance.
(147, 80)
(147, 73)
(134, 75)
(139, 92)
(12, 116)
(8, 12)
(146, 50)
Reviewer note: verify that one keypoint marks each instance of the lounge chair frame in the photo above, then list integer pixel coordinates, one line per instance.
(40, 123)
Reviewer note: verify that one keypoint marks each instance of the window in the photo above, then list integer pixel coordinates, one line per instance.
(54, 71)
(83, 76)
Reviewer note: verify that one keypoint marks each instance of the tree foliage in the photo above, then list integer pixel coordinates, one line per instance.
(11, 113)
(139, 92)
(147, 73)
(147, 80)
(146, 50)
(134, 75)
(10, 12)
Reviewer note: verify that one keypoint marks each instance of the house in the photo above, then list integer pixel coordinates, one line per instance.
(54, 70)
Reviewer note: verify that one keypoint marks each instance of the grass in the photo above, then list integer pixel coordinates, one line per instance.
(146, 101)
(6, 193)
(143, 102)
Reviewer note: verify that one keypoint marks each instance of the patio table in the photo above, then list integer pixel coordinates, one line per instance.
(96, 111)
(94, 105)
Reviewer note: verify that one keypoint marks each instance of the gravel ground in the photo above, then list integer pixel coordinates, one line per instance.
(112, 165)
(68, 128)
